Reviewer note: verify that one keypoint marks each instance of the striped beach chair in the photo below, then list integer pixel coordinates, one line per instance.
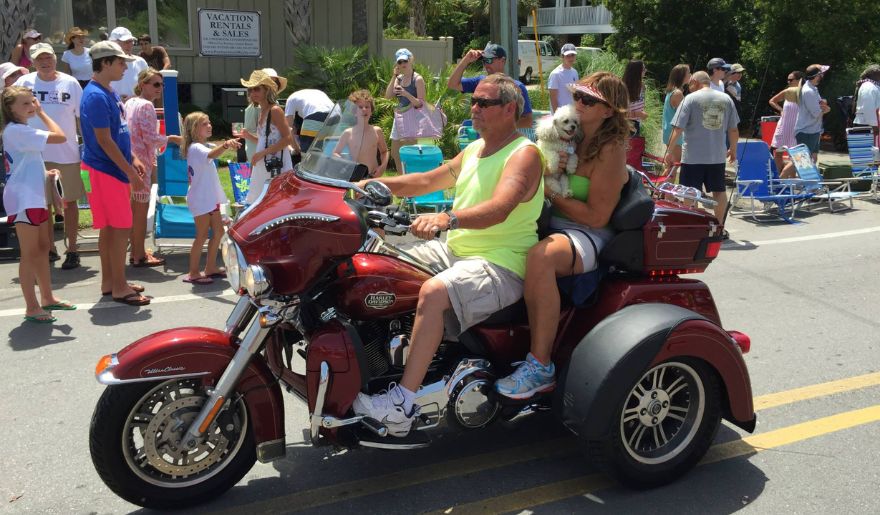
(863, 161)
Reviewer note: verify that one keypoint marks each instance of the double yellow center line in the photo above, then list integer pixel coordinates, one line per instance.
(582, 485)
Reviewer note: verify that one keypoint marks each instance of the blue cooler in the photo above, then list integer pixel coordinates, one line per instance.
(423, 158)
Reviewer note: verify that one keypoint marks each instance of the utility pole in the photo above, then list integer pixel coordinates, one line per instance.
(504, 31)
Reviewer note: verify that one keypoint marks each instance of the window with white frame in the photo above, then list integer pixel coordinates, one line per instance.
(166, 21)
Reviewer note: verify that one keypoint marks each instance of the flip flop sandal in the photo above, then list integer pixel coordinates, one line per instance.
(136, 287)
(146, 261)
(198, 280)
(217, 275)
(133, 299)
(45, 318)
(61, 305)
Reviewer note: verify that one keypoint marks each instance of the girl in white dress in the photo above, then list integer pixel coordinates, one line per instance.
(204, 196)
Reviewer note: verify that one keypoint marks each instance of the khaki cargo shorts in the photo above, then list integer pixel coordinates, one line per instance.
(477, 288)
(72, 187)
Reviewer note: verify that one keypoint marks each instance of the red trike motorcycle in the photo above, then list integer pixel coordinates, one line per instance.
(326, 308)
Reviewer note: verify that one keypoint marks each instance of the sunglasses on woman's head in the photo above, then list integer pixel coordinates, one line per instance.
(586, 100)
(486, 102)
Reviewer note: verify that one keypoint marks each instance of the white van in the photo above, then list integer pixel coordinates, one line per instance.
(528, 59)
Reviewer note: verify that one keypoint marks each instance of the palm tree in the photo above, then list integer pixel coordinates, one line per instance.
(17, 16)
(417, 20)
(298, 18)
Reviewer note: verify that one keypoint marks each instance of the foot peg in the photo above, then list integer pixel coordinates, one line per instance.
(375, 426)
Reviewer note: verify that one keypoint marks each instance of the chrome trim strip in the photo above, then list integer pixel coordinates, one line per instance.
(326, 181)
(316, 418)
(107, 378)
(271, 450)
(393, 446)
(295, 216)
(331, 422)
(256, 201)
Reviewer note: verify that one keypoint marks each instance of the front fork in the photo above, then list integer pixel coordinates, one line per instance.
(251, 344)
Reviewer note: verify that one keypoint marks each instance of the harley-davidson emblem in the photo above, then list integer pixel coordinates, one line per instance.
(380, 300)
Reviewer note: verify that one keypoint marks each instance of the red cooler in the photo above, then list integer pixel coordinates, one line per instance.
(768, 127)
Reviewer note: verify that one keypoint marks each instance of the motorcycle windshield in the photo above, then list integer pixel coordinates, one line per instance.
(329, 158)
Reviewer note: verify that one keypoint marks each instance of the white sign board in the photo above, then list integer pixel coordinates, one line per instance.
(224, 33)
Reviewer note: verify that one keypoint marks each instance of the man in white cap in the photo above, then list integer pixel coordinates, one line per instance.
(113, 169)
(60, 95)
(494, 57)
(126, 41)
(562, 76)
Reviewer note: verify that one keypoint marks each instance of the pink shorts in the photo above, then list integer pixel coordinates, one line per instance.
(109, 200)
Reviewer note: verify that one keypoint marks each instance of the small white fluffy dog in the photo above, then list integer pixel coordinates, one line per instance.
(559, 133)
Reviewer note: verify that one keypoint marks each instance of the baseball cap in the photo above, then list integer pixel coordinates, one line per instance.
(32, 34)
(404, 54)
(494, 51)
(120, 34)
(41, 48)
(108, 49)
(736, 68)
(717, 62)
(7, 69)
(568, 49)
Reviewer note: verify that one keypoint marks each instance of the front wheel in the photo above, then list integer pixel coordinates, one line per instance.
(135, 442)
(665, 425)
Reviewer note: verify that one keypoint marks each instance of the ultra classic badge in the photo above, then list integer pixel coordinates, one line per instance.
(380, 300)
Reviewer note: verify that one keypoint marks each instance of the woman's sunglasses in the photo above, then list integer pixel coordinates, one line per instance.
(586, 100)
(156, 84)
(402, 61)
(485, 102)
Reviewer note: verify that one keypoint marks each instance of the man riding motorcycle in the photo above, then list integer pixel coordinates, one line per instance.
(492, 226)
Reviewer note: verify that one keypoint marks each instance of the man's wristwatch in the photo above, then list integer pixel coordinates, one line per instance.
(453, 220)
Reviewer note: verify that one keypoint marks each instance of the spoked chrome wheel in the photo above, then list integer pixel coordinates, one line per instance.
(662, 413)
(666, 423)
(135, 441)
(152, 437)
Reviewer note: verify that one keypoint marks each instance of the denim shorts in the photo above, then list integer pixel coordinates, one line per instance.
(810, 140)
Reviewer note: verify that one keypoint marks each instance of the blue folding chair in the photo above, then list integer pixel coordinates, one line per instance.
(240, 178)
(834, 191)
(422, 158)
(529, 132)
(756, 180)
(863, 161)
(172, 217)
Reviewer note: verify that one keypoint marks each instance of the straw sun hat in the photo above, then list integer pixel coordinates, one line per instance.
(260, 78)
(74, 32)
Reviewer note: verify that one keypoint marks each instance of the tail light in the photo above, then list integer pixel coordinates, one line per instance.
(742, 341)
(708, 249)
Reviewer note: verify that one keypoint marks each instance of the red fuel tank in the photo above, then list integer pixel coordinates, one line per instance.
(377, 286)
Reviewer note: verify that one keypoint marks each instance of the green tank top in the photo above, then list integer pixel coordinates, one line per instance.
(580, 190)
(507, 243)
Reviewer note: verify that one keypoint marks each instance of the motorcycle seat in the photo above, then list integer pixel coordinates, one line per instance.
(512, 314)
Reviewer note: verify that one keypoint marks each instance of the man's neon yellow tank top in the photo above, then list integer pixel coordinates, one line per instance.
(507, 243)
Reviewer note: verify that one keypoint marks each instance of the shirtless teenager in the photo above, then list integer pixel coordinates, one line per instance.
(366, 143)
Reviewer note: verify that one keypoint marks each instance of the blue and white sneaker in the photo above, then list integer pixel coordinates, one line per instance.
(529, 378)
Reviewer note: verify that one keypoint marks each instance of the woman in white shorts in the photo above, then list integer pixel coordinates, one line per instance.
(579, 224)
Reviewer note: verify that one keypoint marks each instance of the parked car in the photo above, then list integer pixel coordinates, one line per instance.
(528, 59)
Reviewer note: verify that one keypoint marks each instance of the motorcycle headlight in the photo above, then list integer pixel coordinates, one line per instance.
(234, 262)
(255, 280)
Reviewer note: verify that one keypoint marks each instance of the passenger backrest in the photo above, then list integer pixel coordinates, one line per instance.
(635, 206)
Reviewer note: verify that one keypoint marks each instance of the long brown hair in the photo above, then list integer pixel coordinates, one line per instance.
(190, 124)
(615, 128)
(676, 77)
(632, 78)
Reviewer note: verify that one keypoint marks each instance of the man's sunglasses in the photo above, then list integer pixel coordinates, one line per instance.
(792, 79)
(586, 100)
(488, 60)
(486, 102)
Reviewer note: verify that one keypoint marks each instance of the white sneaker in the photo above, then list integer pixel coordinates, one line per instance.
(387, 408)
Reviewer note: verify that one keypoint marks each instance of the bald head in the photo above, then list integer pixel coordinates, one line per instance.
(701, 78)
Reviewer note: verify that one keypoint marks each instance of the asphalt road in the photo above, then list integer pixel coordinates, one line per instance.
(805, 293)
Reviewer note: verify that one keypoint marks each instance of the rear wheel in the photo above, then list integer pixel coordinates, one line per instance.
(136, 444)
(665, 425)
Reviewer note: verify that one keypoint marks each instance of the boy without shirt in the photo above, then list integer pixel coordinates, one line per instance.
(366, 143)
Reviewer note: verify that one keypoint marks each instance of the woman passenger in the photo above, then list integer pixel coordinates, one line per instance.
(581, 222)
